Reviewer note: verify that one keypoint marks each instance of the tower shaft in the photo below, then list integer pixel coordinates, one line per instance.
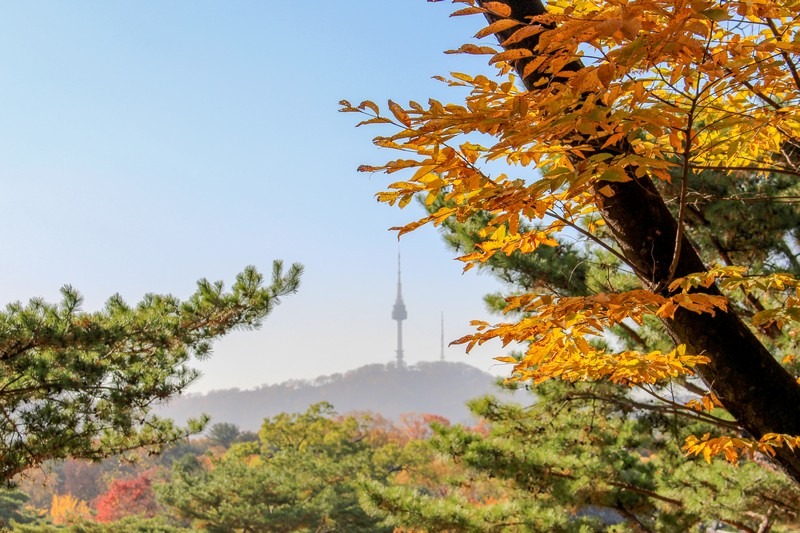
(399, 314)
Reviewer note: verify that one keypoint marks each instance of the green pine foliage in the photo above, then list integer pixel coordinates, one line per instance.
(13, 508)
(574, 461)
(82, 384)
(300, 476)
(131, 524)
(749, 221)
(224, 433)
(595, 457)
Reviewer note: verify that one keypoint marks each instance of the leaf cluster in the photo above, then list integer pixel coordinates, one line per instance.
(700, 96)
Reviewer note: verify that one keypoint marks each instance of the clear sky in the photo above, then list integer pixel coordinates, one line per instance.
(147, 144)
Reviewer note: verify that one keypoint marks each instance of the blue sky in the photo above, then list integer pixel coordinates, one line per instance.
(144, 145)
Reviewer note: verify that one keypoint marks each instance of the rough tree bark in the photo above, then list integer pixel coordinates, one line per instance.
(749, 382)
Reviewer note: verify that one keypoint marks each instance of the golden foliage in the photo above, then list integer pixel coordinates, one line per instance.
(65, 509)
(685, 85)
(733, 448)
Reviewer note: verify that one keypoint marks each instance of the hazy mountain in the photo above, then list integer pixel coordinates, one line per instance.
(435, 387)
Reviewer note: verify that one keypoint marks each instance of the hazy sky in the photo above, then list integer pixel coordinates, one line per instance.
(147, 144)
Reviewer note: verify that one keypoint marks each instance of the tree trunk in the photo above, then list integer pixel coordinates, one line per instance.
(749, 382)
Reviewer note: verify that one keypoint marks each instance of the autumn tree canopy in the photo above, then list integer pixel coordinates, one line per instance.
(610, 124)
(593, 454)
(81, 384)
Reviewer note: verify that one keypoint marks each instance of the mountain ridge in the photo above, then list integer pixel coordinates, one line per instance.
(439, 387)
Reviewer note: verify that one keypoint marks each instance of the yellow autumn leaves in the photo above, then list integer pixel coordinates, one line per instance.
(557, 334)
(684, 86)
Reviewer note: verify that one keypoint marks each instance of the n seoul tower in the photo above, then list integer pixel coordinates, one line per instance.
(399, 314)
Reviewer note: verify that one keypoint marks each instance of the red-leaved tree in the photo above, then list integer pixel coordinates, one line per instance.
(126, 497)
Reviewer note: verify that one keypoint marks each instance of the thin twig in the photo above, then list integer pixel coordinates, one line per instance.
(779, 36)
(777, 170)
(593, 238)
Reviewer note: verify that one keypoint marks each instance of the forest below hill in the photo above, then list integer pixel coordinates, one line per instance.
(599, 469)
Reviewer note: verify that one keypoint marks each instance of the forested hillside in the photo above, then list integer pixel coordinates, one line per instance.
(442, 388)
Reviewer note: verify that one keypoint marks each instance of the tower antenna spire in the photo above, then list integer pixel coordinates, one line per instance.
(399, 314)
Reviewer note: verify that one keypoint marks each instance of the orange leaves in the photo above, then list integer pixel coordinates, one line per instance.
(626, 25)
(707, 278)
(697, 302)
(790, 312)
(498, 8)
(737, 278)
(627, 368)
(709, 447)
(733, 448)
(507, 243)
(707, 403)
(526, 32)
(558, 333)
(472, 49)
(371, 105)
(400, 114)
(609, 309)
(468, 11)
(631, 25)
(605, 73)
(717, 14)
(66, 509)
(429, 133)
(511, 55)
(617, 91)
(560, 352)
(664, 56)
(495, 8)
(375, 117)
(497, 27)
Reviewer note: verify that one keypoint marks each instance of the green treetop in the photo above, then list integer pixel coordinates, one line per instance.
(300, 476)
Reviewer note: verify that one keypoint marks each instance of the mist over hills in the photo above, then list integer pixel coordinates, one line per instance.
(441, 388)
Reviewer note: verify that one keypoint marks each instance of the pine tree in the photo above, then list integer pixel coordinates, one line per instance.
(300, 476)
(612, 113)
(594, 455)
(82, 384)
(574, 459)
(12, 508)
(224, 433)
